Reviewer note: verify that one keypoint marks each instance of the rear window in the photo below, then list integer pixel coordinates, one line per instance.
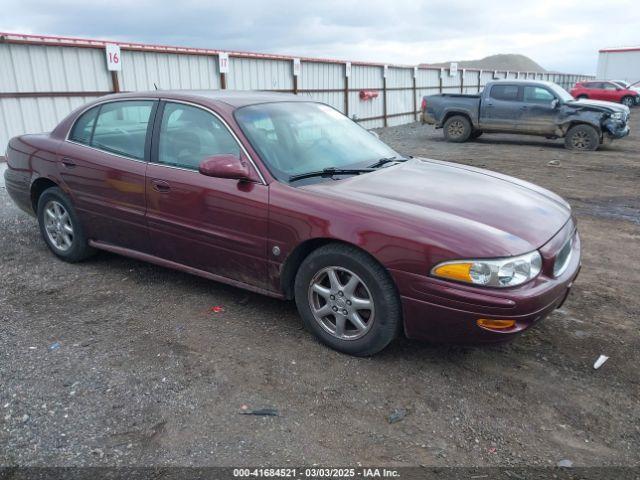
(504, 92)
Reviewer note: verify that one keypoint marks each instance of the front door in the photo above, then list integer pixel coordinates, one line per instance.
(103, 164)
(213, 224)
(538, 113)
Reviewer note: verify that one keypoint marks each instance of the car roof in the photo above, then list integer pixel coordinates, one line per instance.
(233, 98)
(524, 81)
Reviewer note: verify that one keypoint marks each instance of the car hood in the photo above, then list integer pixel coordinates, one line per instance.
(446, 203)
(601, 105)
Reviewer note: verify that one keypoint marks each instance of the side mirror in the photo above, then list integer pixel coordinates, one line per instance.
(555, 103)
(225, 166)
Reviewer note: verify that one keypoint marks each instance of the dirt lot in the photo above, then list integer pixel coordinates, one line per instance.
(118, 362)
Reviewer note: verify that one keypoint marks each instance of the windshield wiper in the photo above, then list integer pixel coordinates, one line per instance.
(329, 172)
(384, 161)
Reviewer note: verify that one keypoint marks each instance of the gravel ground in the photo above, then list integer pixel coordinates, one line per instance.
(116, 362)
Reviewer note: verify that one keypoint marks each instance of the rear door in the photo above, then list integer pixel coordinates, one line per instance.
(537, 113)
(217, 225)
(103, 164)
(499, 110)
(596, 91)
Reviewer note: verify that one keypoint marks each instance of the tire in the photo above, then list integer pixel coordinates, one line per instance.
(457, 129)
(60, 227)
(318, 290)
(628, 101)
(476, 134)
(582, 138)
(580, 97)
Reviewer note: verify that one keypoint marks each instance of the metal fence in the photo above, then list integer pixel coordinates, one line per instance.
(43, 78)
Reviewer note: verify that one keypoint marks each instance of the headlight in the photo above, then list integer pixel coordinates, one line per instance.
(501, 272)
(617, 116)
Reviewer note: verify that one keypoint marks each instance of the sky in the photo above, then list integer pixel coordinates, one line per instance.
(560, 35)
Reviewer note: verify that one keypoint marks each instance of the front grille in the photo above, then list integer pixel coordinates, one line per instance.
(563, 258)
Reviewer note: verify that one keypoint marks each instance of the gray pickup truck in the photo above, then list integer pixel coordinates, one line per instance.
(526, 107)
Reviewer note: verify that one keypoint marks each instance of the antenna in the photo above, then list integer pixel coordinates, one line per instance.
(155, 85)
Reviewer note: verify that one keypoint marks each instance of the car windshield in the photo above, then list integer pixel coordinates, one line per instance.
(562, 94)
(294, 138)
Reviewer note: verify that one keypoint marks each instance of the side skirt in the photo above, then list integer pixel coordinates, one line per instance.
(145, 257)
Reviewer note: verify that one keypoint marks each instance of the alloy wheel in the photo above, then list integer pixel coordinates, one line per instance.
(341, 303)
(628, 101)
(580, 140)
(57, 224)
(455, 129)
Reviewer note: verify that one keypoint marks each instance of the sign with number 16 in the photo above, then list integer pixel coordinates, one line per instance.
(113, 57)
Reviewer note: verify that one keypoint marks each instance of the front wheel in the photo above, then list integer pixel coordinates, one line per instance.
(582, 138)
(628, 101)
(457, 129)
(60, 227)
(348, 300)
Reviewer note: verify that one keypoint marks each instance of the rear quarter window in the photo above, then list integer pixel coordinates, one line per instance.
(83, 128)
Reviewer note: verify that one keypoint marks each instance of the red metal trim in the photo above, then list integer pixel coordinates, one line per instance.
(52, 94)
(22, 38)
(619, 50)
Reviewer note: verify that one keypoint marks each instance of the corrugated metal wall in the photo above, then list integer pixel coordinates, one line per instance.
(42, 79)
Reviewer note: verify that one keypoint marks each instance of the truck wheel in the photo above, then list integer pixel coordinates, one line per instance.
(582, 137)
(628, 101)
(348, 300)
(457, 129)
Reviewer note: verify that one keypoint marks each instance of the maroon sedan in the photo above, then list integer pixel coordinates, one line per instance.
(288, 197)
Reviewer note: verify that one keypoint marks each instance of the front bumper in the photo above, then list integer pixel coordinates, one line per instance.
(616, 128)
(443, 311)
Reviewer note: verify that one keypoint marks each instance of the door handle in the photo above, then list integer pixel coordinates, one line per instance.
(67, 162)
(160, 186)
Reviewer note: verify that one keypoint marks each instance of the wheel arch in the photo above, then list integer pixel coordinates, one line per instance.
(303, 250)
(454, 113)
(37, 188)
(568, 126)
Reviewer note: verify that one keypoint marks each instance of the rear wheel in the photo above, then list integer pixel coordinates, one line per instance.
(628, 101)
(60, 227)
(582, 138)
(457, 129)
(579, 97)
(347, 300)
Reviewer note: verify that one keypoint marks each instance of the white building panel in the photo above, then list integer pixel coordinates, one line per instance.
(146, 70)
(619, 64)
(260, 74)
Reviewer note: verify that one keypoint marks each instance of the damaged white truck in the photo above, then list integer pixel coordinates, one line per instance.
(527, 107)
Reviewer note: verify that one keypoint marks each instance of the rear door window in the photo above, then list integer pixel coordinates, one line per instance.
(121, 128)
(505, 92)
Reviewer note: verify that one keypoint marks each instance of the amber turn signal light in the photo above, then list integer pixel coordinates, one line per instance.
(495, 324)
